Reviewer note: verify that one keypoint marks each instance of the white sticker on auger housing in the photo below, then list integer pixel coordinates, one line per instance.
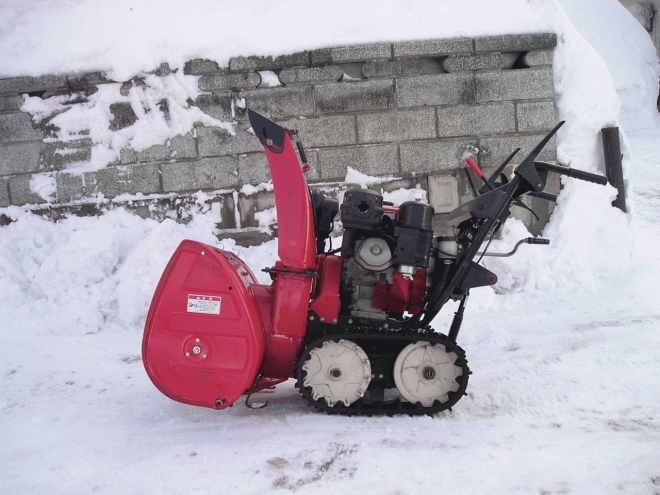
(209, 305)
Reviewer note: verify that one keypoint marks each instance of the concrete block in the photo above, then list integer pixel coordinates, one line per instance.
(70, 187)
(253, 168)
(10, 103)
(349, 54)
(254, 203)
(392, 68)
(515, 42)
(370, 160)
(215, 141)
(439, 89)
(20, 158)
(4, 192)
(432, 156)
(223, 82)
(459, 63)
(227, 210)
(59, 154)
(523, 84)
(281, 102)
(354, 97)
(127, 156)
(535, 115)
(266, 63)
(246, 237)
(216, 105)
(432, 48)
(206, 174)
(16, 127)
(132, 179)
(20, 192)
(124, 116)
(200, 67)
(311, 75)
(443, 193)
(553, 184)
(180, 147)
(329, 130)
(32, 84)
(402, 125)
(77, 82)
(477, 120)
(539, 58)
(322, 56)
(360, 53)
(494, 150)
(542, 208)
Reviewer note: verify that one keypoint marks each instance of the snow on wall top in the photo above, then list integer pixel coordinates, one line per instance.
(126, 37)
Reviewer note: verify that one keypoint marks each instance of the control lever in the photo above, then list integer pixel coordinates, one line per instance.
(528, 240)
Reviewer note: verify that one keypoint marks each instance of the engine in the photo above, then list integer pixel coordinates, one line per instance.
(386, 253)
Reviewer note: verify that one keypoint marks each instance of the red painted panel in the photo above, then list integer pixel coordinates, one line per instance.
(295, 219)
(290, 312)
(204, 337)
(402, 295)
(326, 302)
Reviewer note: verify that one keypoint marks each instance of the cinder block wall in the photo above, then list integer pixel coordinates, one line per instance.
(411, 110)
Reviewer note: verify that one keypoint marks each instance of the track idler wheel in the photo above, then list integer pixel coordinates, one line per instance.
(336, 372)
(429, 373)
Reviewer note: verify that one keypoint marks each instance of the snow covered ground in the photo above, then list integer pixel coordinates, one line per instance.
(565, 392)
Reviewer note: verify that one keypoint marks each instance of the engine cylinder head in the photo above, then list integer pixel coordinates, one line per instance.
(361, 209)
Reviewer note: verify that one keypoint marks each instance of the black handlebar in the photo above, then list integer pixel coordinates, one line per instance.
(570, 172)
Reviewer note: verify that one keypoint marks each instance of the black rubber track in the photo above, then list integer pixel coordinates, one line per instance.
(386, 336)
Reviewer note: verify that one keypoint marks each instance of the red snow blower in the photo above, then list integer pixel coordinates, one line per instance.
(351, 325)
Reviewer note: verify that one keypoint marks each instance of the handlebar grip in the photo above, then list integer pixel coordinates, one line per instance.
(537, 240)
(475, 168)
(571, 172)
(596, 179)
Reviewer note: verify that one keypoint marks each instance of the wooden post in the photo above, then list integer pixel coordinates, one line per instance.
(613, 168)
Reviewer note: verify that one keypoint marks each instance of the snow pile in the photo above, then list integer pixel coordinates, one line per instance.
(632, 61)
(94, 273)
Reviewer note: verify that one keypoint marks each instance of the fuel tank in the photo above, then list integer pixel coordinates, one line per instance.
(204, 336)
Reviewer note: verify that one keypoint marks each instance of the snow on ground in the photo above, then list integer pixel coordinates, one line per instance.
(564, 395)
